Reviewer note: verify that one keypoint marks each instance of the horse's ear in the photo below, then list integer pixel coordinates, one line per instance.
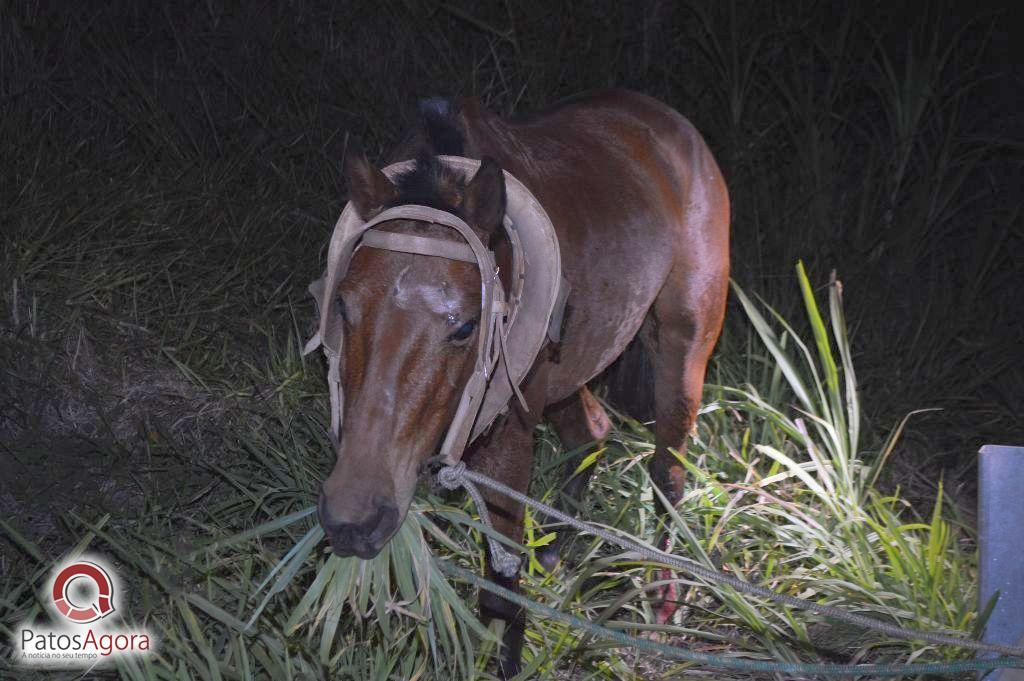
(369, 189)
(485, 196)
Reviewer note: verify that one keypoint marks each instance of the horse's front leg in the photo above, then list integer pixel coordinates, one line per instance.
(506, 457)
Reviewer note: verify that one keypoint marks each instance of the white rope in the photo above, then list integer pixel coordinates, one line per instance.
(503, 561)
(452, 477)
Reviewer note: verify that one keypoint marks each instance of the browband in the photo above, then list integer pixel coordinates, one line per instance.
(419, 245)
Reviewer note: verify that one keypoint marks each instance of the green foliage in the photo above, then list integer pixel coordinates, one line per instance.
(781, 494)
(166, 193)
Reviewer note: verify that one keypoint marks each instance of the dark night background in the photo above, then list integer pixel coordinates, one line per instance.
(171, 171)
(880, 140)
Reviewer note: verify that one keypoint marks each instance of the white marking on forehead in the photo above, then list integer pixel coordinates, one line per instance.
(398, 280)
(441, 298)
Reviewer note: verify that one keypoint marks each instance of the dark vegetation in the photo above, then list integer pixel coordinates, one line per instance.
(170, 175)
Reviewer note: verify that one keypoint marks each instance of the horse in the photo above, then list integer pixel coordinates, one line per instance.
(641, 213)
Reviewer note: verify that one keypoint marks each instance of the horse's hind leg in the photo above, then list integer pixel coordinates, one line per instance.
(688, 319)
(578, 420)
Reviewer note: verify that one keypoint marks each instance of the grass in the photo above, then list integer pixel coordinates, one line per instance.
(783, 496)
(171, 176)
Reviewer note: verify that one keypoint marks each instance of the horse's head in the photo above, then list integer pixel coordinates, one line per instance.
(410, 326)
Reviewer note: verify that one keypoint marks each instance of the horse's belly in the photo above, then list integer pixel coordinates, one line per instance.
(612, 291)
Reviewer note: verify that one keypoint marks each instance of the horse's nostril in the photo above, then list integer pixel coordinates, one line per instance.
(330, 524)
(363, 538)
(384, 524)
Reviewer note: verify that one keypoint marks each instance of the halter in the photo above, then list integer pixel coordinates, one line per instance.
(524, 322)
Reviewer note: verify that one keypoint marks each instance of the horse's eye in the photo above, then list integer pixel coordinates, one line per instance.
(339, 302)
(463, 332)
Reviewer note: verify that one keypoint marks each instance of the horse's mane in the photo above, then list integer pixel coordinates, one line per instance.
(439, 123)
(431, 182)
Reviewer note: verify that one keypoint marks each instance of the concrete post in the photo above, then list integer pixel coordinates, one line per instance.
(1001, 546)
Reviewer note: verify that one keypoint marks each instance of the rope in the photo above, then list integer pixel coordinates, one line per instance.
(454, 476)
(503, 561)
(942, 668)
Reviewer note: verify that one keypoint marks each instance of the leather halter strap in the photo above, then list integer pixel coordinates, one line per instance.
(419, 245)
(494, 310)
(438, 247)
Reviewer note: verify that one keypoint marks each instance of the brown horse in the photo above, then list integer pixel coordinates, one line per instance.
(642, 218)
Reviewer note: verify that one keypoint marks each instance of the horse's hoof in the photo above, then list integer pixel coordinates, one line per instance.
(509, 669)
(548, 557)
(668, 602)
(655, 636)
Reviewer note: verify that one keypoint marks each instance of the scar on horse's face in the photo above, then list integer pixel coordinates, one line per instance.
(410, 324)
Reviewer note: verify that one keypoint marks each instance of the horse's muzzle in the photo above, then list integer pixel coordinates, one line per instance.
(363, 538)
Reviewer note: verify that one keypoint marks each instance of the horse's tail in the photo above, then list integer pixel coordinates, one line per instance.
(630, 382)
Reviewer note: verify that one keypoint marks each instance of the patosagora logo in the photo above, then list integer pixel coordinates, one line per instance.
(85, 629)
(99, 580)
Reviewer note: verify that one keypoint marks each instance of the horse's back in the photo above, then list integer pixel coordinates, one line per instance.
(636, 199)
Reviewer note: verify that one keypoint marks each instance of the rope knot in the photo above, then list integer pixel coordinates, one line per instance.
(452, 477)
(504, 562)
